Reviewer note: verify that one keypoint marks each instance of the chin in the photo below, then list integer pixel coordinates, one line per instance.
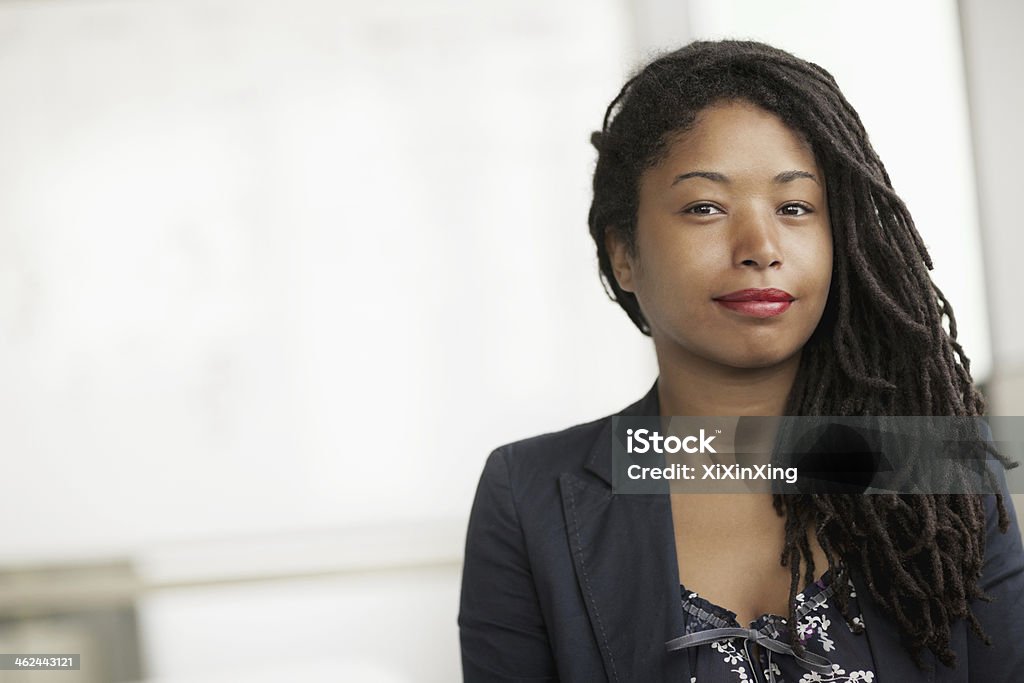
(754, 363)
(755, 360)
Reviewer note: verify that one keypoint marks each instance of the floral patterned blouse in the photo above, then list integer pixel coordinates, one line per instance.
(833, 652)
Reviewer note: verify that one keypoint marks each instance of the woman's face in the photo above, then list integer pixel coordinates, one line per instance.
(733, 256)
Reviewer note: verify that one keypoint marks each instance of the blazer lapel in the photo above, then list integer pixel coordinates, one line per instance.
(623, 550)
(892, 660)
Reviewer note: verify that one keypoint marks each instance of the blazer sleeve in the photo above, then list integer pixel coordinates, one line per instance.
(501, 628)
(1002, 577)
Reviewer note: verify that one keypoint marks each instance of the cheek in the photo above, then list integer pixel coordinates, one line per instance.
(816, 262)
(679, 272)
(825, 260)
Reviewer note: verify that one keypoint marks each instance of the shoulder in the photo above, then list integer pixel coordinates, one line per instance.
(574, 449)
(1004, 551)
(1003, 548)
(530, 466)
(563, 450)
(525, 474)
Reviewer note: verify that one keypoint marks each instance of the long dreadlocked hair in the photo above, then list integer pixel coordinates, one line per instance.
(880, 348)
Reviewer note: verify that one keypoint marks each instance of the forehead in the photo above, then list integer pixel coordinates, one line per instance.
(737, 136)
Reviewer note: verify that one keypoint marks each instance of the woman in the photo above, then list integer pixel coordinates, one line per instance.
(743, 221)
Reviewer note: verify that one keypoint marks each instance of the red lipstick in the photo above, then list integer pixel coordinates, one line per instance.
(757, 303)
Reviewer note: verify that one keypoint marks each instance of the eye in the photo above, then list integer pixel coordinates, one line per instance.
(795, 209)
(703, 209)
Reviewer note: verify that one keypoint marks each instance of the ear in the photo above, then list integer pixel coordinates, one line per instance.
(622, 261)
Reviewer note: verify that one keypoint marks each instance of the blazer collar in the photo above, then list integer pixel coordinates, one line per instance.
(599, 461)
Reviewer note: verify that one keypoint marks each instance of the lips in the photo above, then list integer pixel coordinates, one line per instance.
(777, 295)
(757, 303)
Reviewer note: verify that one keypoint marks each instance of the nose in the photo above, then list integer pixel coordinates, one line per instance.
(756, 241)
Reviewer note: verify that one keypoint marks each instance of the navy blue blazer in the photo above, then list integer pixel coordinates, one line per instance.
(564, 581)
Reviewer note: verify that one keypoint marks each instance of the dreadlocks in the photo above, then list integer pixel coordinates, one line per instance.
(880, 348)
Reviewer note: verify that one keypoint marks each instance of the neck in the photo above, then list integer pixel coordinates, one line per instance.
(697, 387)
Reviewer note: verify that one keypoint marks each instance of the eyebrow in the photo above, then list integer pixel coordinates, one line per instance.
(784, 177)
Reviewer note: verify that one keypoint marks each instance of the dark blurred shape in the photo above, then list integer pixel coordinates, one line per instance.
(837, 459)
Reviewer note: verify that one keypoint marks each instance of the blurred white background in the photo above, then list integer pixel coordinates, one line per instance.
(276, 277)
